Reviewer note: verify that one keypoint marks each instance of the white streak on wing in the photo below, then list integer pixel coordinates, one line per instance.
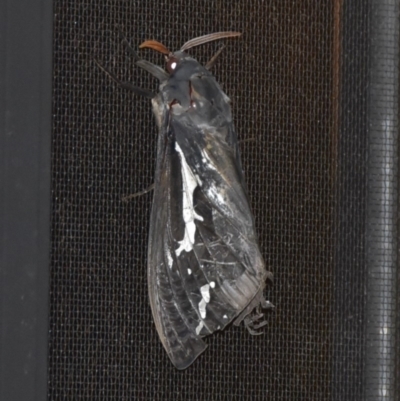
(199, 327)
(189, 271)
(225, 317)
(189, 184)
(207, 161)
(169, 258)
(216, 196)
(202, 308)
(205, 293)
(212, 192)
(212, 284)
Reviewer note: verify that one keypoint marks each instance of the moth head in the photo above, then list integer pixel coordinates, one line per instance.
(172, 62)
(173, 59)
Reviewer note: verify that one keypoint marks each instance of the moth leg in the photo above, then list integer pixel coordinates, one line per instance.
(254, 318)
(253, 332)
(153, 69)
(213, 59)
(126, 43)
(252, 139)
(250, 321)
(270, 276)
(267, 305)
(257, 326)
(137, 194)
(126, 85)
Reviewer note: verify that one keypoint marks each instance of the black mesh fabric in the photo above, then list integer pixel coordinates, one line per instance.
(306, 174)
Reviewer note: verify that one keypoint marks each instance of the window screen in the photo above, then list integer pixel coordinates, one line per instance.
(316, 118)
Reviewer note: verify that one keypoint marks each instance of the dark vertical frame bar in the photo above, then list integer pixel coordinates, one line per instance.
(25, 143)
(366, 358)
(381, 326)
(351, 183)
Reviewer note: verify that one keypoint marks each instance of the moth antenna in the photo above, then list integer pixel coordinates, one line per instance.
(157, 46)
(208, 38)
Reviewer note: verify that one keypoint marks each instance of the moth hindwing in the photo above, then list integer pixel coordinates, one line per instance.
(205, 268)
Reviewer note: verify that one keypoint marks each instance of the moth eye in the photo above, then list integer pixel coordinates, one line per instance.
(171, 64)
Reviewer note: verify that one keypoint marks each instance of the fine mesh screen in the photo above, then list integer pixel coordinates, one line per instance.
(283, 77)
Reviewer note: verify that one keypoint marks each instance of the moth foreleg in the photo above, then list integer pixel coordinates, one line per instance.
(126, 43)
(126, 85)
(153, 69)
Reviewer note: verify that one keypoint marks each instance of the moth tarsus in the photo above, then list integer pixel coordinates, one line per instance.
(126, 44)
(124, 84)
(253, 324)
(127, 198)
(205, 269)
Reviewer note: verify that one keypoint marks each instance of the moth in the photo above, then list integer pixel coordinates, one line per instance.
(205, 268)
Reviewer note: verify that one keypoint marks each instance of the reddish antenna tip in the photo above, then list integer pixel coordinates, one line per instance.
(157, 46)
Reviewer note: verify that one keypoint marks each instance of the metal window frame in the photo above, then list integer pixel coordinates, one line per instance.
(25, 149)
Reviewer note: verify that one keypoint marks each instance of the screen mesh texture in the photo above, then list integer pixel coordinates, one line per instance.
(282, 76)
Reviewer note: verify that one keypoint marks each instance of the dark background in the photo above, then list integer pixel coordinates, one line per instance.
(298, 79)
